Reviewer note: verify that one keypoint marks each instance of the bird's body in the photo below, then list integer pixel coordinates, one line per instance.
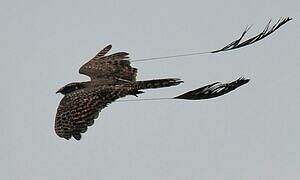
(112, 78)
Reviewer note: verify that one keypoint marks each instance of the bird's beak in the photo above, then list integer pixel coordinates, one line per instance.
(59, 91)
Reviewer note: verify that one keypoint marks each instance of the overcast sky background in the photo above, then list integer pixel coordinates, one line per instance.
(251, 133)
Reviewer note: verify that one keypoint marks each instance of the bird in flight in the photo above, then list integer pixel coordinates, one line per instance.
(112, 77)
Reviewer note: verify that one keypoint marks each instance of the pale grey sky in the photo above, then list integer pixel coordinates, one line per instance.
(251, 133)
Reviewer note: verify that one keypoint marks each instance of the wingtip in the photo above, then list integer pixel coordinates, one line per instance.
(77, 136)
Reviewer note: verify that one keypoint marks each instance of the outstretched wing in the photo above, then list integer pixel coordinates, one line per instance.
(116, 65)
(213, 90)
(77, 110)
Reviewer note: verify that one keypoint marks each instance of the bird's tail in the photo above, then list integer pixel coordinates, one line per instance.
(158, 83)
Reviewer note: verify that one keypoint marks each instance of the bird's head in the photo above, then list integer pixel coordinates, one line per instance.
(71, 87)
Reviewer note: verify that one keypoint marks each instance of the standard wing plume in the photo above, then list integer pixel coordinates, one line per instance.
(266, 32)
(213, 90)
(233, 45)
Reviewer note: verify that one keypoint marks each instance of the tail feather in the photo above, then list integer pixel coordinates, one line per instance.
(158, 83)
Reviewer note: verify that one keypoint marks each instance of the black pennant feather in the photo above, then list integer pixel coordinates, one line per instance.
(213, 90)
(233, 45)
(266, 32)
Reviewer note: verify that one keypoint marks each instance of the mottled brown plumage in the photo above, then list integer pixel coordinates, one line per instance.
(115, 65)
(112, 77)
(78, 109)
